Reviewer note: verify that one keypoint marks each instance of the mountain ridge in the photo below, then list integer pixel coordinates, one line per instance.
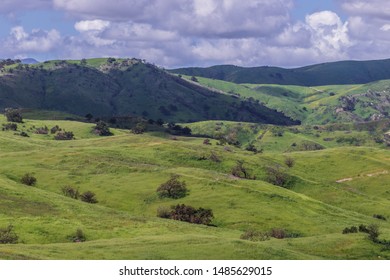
(329, 73)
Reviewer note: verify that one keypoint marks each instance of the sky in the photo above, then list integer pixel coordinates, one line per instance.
(180, 33)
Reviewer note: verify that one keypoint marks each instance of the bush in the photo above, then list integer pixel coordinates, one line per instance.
(348, 230)
(88, 197)
(253, 235)
(28, 179)
(42, 130)
(70, 192)
(10, 126)
(206, 142)
(164, 212)
(172, 188)
(277, 176)
(13, 115)
(23, 134)
(278, 233)
(240, 171)
(139, 128)
(373, 232)
(66, 135)
(363, 228)
(290, 162)
(380, 217)
(78, 236)
(55, 129)
(191, 215)
(8, 236)
(102, 129)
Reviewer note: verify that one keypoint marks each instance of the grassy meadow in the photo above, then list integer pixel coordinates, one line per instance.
(124, 171)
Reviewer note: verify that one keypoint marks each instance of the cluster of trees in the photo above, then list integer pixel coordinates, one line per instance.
(175, 189)
(186, 213)
(13, 115)
(87, 196)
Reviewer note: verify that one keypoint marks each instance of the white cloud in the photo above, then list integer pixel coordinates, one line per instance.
(372, 8)
(329, 34)
(91, 25)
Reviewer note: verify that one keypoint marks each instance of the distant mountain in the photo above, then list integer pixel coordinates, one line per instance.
(29, 61)
(118, 87)
(333, 73)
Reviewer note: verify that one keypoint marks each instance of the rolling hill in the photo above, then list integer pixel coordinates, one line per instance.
(110, 87)
(333, 73)
(124, 171)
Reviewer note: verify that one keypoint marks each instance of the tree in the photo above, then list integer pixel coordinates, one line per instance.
(83, 62)
(66, 135)
(102, 129)
(88, 197)
(277, 176)
(240, 171)
(290, 162)
(28, 179)
(172, 188)
(182, 212)
(89, 117)
(139, 128)
(13, 115)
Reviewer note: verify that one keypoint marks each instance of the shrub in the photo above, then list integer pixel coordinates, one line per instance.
(164, 212)
(102, 129)
(172, 188)
(254, 235)
(240, 171)
(66, 135)
(55, 129)
(139, 128)
(206, 142)
(88, 197)
(23, 134)
(348, 230)
(78, 236)
(8, 236)
(380, 217)
(42, 130)
(290, 162)
(363, 228)
(277, 176)
(13, 115)
(191, 215)
(69, 191)
(28, 179)
(10, 126)
(278, 233)
(373, 232)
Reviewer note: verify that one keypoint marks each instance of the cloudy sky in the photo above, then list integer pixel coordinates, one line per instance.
(175, 33)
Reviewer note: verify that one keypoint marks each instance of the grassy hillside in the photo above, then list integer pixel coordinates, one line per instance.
(124, 171)
(110, 87)
(315, 105)
(334, 73)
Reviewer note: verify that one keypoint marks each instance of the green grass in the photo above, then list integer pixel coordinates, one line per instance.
(315, 104)
(125, 170)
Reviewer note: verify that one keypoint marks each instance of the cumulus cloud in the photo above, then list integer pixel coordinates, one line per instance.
(19, 41)
(372, 8)
(91, 25)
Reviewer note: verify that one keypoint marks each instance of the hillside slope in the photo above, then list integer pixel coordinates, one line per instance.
(333, 73)
(125, 170)
(109, 87)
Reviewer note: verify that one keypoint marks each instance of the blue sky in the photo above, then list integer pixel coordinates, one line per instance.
(175, 33)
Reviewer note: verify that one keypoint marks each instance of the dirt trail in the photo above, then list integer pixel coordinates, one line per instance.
(384, 172)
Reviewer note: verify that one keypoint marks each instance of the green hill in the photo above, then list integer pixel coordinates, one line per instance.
(110, 87)
(333, 73)
(124, 171)
(315, 105)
